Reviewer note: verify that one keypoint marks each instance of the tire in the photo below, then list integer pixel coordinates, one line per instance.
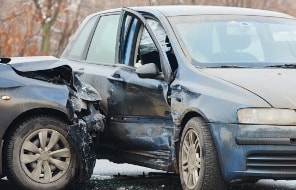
(198, 161)
(38, 155)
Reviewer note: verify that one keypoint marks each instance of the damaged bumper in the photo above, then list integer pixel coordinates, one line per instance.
(83, 102)
(83, 136)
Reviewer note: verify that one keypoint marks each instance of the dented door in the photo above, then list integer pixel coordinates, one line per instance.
(140, 117)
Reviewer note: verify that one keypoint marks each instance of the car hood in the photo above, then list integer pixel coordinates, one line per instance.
(275, 86)
(36, 63)
(51, 69)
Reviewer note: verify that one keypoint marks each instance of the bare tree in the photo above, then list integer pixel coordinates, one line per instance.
(47, 12)
(43, 27)
(70, 24)
(17, 31)
(153, 2)
(178, 2)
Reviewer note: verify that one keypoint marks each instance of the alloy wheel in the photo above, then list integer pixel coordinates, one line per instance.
(191, 159)
(45, 155)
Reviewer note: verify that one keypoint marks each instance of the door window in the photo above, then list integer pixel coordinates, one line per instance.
(128, 39)
(147, 50)
(82, 39)
(103, 44)
(137, 46)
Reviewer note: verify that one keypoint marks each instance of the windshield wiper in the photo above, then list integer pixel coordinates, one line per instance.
(228, 66)
(288, 66)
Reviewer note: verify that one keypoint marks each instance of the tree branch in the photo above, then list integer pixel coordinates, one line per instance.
(56, 11)
(39, 9)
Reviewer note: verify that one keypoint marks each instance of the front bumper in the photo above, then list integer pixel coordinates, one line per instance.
(257, 151)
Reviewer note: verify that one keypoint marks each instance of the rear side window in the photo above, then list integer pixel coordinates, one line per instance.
(103, 44)
(78, 47)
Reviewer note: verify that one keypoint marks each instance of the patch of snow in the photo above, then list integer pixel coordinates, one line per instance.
(105, 168)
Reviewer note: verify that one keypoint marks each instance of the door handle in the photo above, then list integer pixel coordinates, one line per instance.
(178, 99)
(115, 79)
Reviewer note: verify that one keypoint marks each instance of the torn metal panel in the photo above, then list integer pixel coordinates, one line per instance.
(154, 159)
(85, 91)
(83, 137)
(154, 135)
(144, 139)
(58, 75)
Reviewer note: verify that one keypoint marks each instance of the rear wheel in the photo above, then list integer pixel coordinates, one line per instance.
(39, 156)
(198, 162)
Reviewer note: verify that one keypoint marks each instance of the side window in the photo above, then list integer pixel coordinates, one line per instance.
(147, 50)
(78, 47)
(103, 44)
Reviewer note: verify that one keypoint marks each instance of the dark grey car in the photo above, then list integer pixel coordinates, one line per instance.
(206, 92)
(45, 108)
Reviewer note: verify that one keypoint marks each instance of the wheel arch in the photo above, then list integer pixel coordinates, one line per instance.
(187, 115)
(37, 111)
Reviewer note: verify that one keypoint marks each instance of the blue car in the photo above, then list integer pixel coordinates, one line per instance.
(206, 92)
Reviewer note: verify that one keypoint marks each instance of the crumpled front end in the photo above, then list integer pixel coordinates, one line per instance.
(83, 136)
(83, 133)
(83, 103)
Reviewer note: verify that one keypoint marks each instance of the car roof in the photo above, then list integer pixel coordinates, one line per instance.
(183, 10)
(186, 10)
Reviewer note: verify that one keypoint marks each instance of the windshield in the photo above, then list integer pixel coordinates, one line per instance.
(232, 40)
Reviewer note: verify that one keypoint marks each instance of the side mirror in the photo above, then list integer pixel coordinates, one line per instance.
(149, 70)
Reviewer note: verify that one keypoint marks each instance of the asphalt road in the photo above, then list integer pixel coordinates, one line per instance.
(110, 176)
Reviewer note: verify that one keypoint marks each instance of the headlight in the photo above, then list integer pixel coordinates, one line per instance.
(268, 116)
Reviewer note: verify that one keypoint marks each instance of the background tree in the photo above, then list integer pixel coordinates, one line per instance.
(17, 32)
(43, 27)
(47, 12)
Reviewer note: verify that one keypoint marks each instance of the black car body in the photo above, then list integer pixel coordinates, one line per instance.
(42, 91)
(206, 92)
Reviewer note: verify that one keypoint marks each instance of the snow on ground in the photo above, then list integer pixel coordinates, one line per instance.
(291, 184)
(105, 169)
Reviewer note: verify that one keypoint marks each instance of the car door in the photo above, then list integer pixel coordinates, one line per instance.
(140, 122)
(140, 116)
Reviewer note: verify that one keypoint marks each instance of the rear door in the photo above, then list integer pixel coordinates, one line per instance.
(92, 52)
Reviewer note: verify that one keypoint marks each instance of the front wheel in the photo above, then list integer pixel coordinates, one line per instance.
(39, 156)
(198, 162)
